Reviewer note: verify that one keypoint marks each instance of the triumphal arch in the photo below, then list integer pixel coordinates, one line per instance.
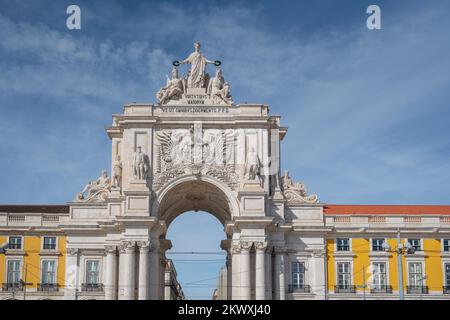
(196, 149)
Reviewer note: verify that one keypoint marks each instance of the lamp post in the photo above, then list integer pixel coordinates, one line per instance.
(401, 293)
(401, 250)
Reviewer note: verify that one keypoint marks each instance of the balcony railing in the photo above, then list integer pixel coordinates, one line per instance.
(417, 289)
(299, 288)
(92, 287)
(48, 287)
(381, 289)
(446, 290)
(345, 289)
(15, 286)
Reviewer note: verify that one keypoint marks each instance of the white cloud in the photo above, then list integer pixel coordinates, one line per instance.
(341, 93)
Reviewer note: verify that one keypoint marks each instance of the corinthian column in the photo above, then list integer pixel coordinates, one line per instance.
(143, 270)
(245, 270)
(71, 276)
(111, 273)
(279, 279)
(235, 272)
(260, 273)
(154, 262)
(269, 275)
(127, 277)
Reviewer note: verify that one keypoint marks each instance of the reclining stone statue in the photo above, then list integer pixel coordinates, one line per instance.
(96, 190)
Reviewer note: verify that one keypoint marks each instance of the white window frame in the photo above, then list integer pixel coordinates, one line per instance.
(22, 243)
(445, 262)
(371, 244)
(9, 258)
(381, 257)
(442, 245)
(305, 261)
(100, 272)
(56, 244)
(386, 273)
(304, 273)
(42, 269)
(420, 240)
(349, 244)
(336, 273)
(424, 280)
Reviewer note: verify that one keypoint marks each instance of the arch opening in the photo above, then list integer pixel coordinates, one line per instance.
(194, 194)
(195, 211)
(195, 261)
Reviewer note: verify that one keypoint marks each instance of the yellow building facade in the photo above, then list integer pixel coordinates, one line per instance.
(360, 257)
(33, 255)
(363, 249)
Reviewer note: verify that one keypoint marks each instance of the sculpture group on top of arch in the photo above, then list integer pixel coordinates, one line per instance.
(197, 83)
(194, 150)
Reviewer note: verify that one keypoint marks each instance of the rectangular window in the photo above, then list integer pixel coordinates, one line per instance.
(298, 274)
(415, 274)
(377, 244)
(343, 244)
(446, 245)
(48, 272)
(415, 244)
(344, 275)
(49, 243)
(13, 273)
(92, 272)
(15, 243)
(379, 275)
(447, 274)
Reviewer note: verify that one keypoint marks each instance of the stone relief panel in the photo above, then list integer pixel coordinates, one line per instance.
(195, 151)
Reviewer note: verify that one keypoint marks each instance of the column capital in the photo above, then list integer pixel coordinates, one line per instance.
(280, 249)
(110, 249)
(127, 246)
(235, 248)
(318, 253)
(144, 246)
(261, 245)
(245, 246)
(72, 251)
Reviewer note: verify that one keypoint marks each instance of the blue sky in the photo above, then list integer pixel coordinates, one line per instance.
(367, 111)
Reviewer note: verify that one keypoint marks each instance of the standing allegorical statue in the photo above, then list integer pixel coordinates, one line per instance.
(196, 76)
(252, 167)
(140, 164)
(173, 89)
(117, 172)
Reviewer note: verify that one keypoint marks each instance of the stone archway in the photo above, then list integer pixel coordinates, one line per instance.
(195, 193)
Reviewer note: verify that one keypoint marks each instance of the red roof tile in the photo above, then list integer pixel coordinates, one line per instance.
(386, 209)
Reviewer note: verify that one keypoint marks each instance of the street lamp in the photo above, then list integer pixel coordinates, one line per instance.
(401, 250)
(3, 248)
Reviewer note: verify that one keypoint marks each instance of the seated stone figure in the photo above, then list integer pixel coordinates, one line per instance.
(93, 188)
(173, 89)
(289, 184)
(219, 90)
